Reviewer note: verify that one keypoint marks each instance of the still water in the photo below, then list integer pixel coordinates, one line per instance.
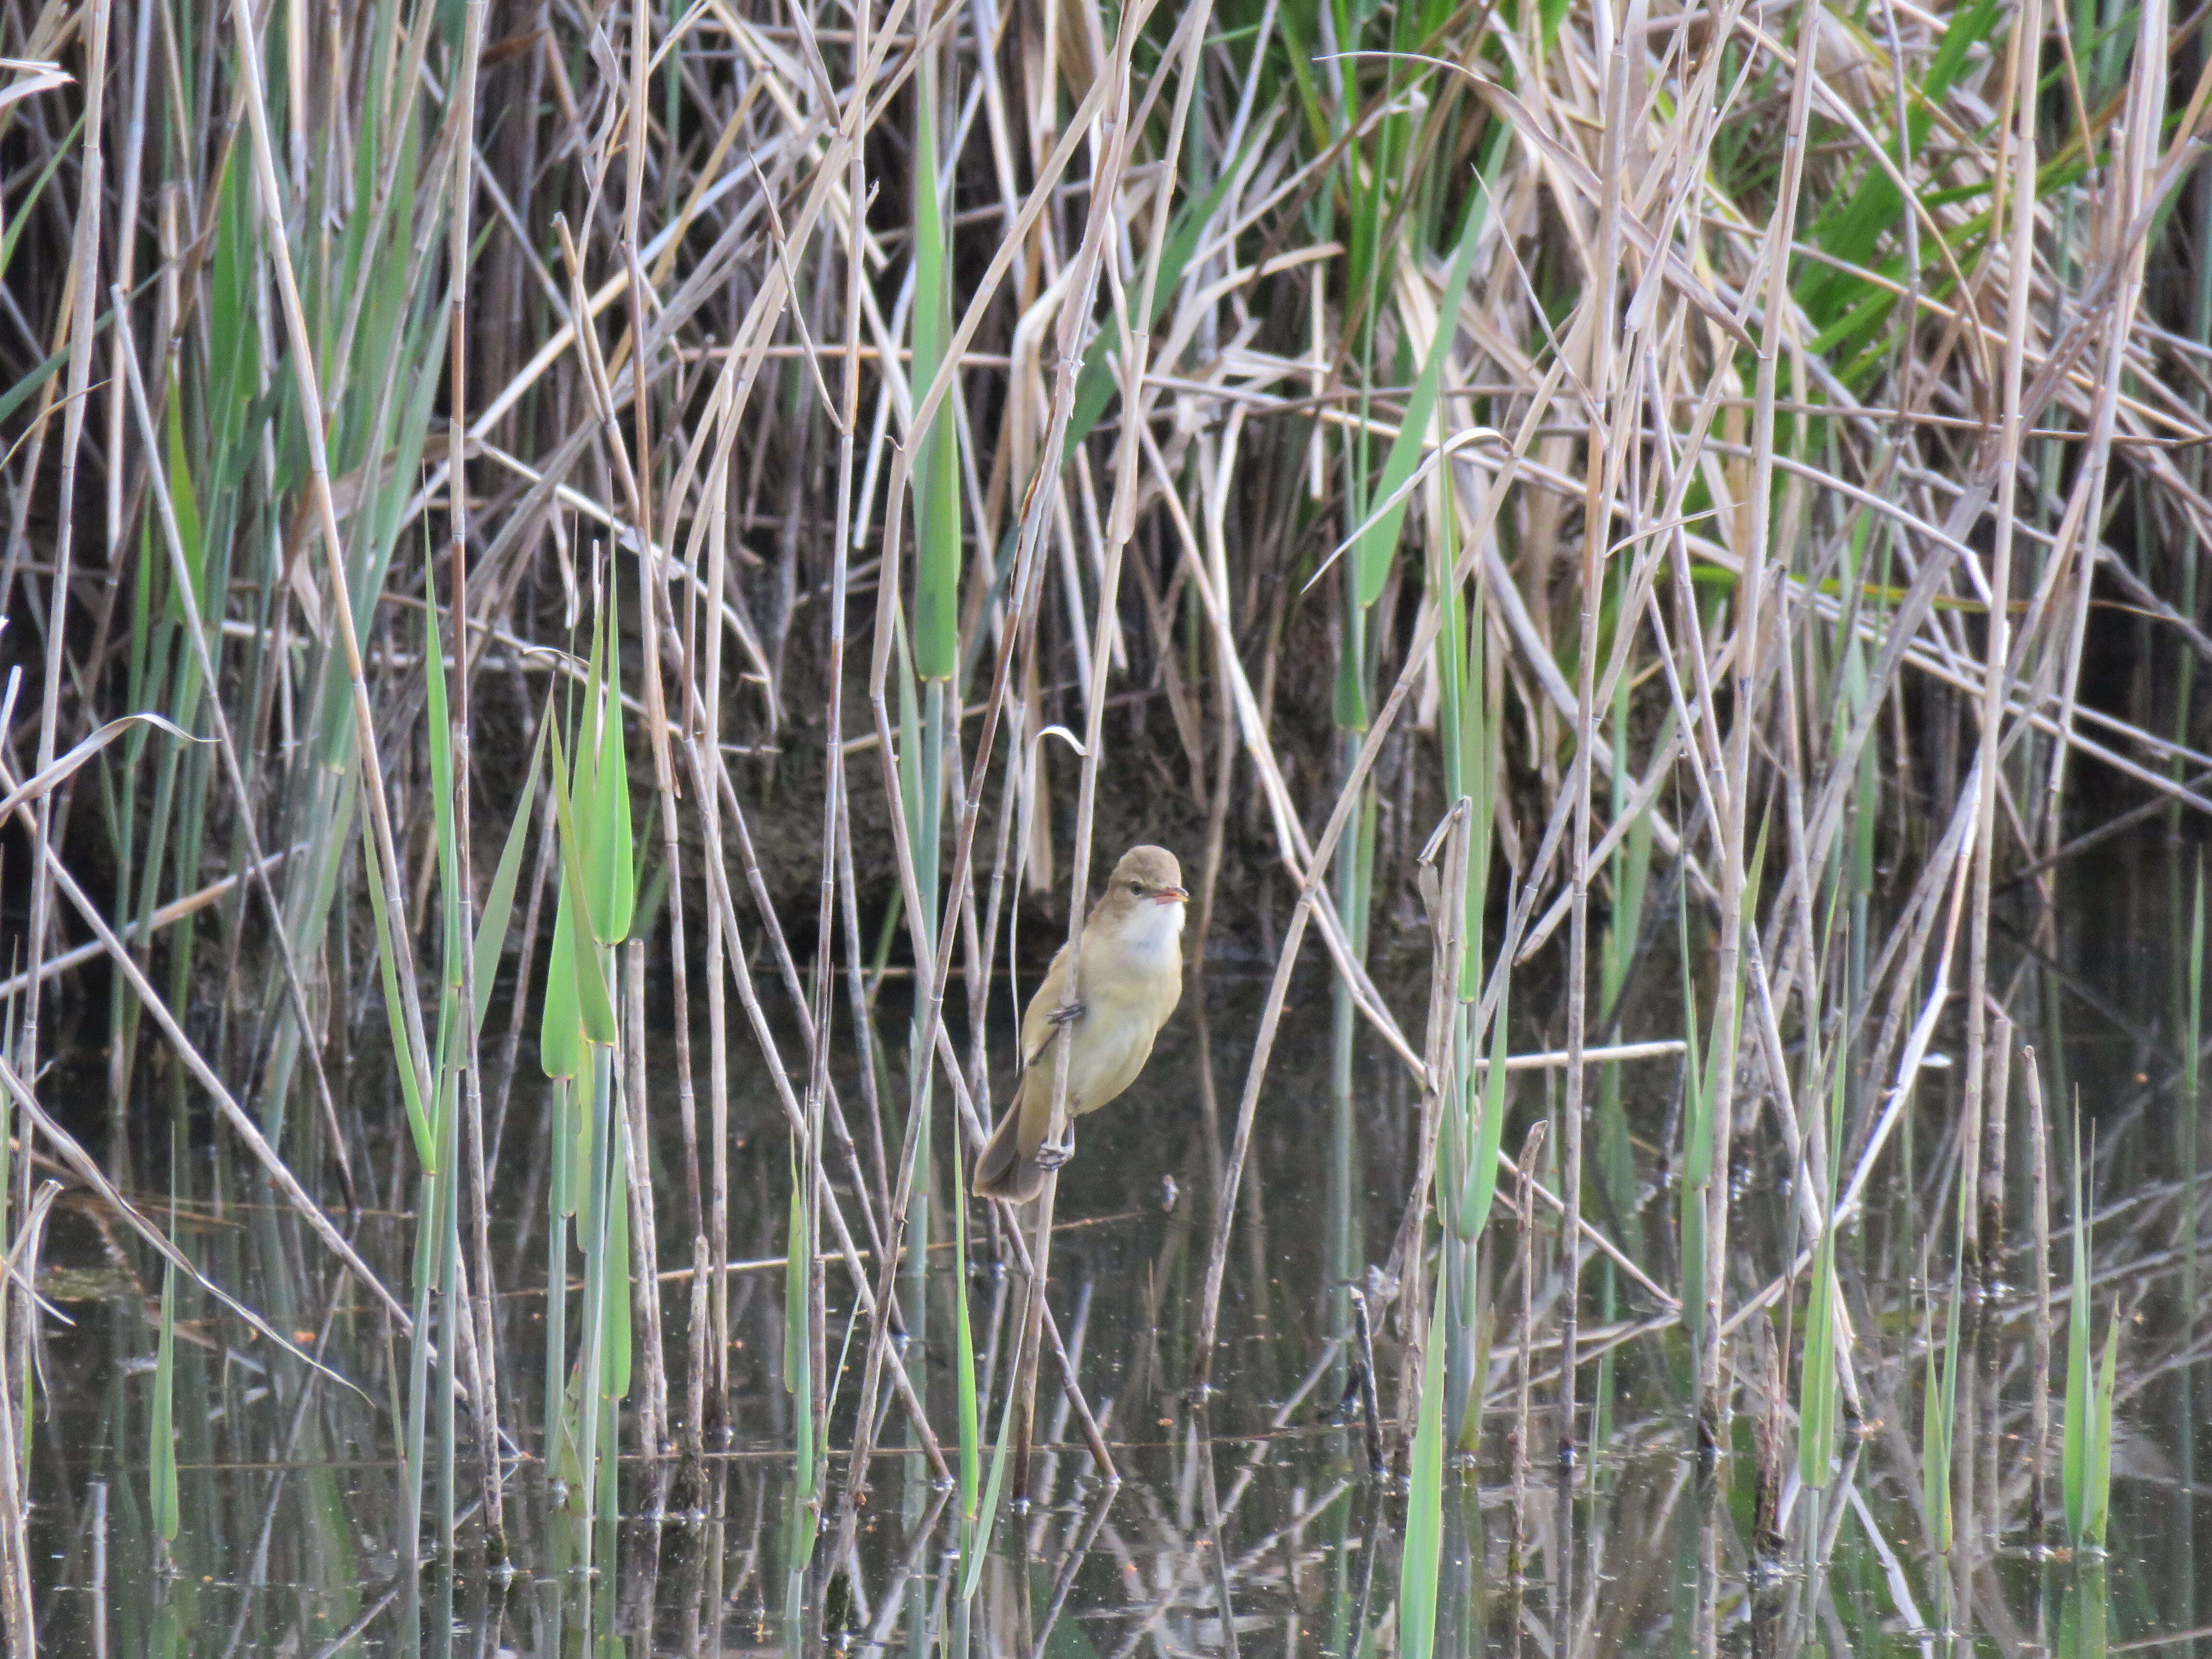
(1251, 1524)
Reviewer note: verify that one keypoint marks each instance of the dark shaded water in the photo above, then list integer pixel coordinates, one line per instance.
(1261, 1501)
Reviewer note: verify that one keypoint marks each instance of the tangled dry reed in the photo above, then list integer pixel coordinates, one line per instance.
(1624, 474)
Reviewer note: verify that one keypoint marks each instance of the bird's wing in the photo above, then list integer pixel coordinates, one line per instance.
(1036, 1023)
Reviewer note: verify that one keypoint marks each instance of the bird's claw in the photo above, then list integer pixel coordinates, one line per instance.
(1067, 1013)
(1051, 1158)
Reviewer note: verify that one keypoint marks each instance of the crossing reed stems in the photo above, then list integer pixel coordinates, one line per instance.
(1804, 405)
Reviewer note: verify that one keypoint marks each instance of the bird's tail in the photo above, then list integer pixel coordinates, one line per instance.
(1007, 1166)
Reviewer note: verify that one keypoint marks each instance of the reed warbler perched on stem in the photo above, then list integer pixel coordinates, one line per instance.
(1132, 980)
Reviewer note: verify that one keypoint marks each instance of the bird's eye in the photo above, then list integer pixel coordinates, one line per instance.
(1136, 887)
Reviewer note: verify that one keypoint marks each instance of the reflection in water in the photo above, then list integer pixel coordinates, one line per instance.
(1251, 1522)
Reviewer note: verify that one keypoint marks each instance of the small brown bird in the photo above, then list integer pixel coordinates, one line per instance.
(1132, 980)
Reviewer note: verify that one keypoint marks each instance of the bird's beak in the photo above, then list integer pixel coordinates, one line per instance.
(1170, 896)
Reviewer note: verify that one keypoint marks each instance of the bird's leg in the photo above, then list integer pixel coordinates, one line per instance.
(1051, 1158)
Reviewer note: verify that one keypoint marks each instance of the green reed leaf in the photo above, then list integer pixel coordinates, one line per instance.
(1425, 1503)
(411, 1087)
(499, 902)
(595, 1010)
(167, 1510)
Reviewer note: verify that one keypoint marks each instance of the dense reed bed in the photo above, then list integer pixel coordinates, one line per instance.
(588, 585)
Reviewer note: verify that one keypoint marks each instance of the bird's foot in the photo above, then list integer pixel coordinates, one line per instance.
(1067, 1013)
(1051, 1158)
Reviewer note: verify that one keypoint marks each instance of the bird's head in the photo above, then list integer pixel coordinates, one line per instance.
(1147, 882)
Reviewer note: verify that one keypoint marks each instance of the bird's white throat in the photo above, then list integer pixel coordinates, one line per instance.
(1152, 933)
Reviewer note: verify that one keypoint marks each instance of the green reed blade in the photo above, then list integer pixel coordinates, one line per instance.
(558, 1423)
(1425, 1503)
(17, 395)
(971, 1454)
(445, 1082)
(561, 1021)
(1099, 380)
(429, 1233)
(22, 215)
(1482, 1169)
(977, 1549)
(1690, 1218)
(2074, 1456)
(1851, 232)
(410, 1088)
(167, 1508)
(616, 1286)
(499, 902)
(443, 816)
(1697, 1118)
(798, 1346)
(577, 1127)
(1939, 1415)
(602, 804)
(2100, 1473)
(595, 1225)
(937, 453)
(1816, 1381)
(1935, 1451)
(1378, 540)
(2085, 1613)
(1817, 1398)
(184, 505)
(595, 1010)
